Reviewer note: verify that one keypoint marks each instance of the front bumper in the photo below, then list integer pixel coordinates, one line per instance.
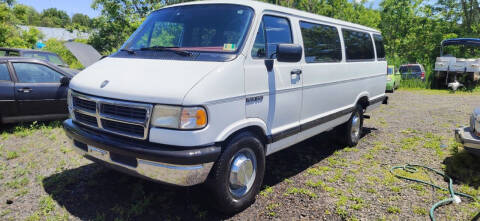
(470, 141)
(182, 166)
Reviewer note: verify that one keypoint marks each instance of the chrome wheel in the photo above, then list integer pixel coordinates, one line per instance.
(356, 124)
(242, 172)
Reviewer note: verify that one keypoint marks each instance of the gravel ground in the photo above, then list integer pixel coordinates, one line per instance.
(42, 178)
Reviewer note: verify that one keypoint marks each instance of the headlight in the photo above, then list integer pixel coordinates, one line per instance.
(179, 117)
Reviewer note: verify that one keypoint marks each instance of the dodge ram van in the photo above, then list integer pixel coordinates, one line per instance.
(203, 91)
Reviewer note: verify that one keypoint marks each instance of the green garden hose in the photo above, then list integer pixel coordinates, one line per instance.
(411, 168)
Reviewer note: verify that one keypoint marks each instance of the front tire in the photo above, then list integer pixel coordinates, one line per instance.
(351, 131)
(237, 175)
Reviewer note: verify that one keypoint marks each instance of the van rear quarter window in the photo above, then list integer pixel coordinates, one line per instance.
(358, 45)
(321, 43)
(379, 46)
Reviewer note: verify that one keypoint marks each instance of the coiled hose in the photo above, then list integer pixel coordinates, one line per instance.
(412, 168)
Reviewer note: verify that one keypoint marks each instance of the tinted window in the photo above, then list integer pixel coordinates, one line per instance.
(36, 73)
(358, 45)
(379, 46)
(4, 74)
(321, 43)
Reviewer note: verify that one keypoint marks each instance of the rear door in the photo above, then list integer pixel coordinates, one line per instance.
(8, 106)
(38, 90)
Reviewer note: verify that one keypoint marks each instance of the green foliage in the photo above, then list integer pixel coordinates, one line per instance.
(53, 17)
(58, 47)
(10, 34)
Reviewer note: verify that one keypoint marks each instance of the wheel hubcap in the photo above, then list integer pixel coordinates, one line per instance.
(355, 133)
(242, 172)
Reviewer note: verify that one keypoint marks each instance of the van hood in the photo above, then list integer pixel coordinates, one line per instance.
(142, 80)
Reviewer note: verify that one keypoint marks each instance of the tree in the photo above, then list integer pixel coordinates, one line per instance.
(11, 35)
(82, 20)
(53, 17)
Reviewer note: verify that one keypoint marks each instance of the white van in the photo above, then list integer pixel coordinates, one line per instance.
(202, 92)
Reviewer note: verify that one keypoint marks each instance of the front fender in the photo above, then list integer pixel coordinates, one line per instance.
(240, 125)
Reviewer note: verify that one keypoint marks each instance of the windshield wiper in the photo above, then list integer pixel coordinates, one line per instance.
(130, 51)
(171, 49)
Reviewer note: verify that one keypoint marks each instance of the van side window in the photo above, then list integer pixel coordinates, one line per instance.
(4, 73)
(277, 31)
(358, 45)
(321, 43)
(258, 50)
(379, 47)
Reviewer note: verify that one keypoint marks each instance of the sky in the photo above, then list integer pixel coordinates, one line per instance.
(70, 6)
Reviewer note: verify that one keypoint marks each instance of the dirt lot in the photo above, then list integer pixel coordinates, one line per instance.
(42, 178)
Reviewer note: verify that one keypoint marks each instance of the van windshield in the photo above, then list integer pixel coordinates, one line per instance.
(219, 28)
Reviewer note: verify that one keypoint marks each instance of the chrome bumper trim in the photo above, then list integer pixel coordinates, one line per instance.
(180, 175)
(464, 135)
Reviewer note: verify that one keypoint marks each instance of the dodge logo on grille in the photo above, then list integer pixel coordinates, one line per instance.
(104, 83)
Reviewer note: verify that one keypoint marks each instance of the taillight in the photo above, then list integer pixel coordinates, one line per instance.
(422, 75)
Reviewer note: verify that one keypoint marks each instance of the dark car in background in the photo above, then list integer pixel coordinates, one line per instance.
(32, 89)
(412, 71)
(45, 55)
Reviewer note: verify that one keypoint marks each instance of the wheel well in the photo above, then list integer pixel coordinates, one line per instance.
(256, 130)
(363, 101)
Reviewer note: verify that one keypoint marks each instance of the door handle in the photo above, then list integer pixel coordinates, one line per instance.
(296, 72)
(25, 90)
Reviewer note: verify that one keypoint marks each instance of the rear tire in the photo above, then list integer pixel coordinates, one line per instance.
(351, 131)
(237, 175)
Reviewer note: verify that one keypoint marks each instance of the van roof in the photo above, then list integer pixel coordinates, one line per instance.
(262, 6)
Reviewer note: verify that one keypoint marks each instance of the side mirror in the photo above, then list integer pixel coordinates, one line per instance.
(289, 52)
(64, 81)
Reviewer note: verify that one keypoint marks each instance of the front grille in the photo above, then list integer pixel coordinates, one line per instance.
(131, 129)
(118, 117)
(84, 104)
(126, 112)
(86, 119)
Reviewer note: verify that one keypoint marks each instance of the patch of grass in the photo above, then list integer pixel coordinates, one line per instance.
(393, 210)
(5, 212)
(420, 211)
(319, 184)
(338, 174)
(266, 191)
(17, 183)
(272, 206)
(314, 171)
(47, 205)
(350, 178)
(302, 191)
(410, 143)
(395, 189)
(11, 155)
(342, 213)
(414, 83)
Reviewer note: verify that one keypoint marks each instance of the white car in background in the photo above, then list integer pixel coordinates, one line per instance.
(204, 91)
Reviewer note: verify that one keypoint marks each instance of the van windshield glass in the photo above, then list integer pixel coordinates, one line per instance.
(202, 28)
